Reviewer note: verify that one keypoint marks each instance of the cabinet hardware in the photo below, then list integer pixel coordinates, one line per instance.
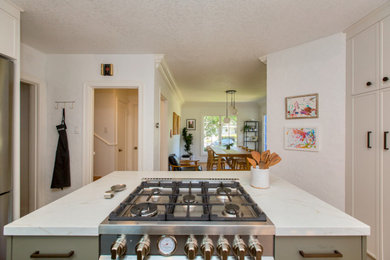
(385, 140)
(385, 79)
(369, 83)
(36, 254)
(369, 139)
(335, 254)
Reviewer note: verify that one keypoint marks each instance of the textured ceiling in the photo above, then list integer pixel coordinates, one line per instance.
(210, 45)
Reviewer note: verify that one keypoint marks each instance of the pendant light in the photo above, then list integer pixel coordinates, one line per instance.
(232, 106)
(233, 102)
(226, 120)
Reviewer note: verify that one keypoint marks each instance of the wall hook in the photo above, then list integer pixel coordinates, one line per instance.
(64, 104)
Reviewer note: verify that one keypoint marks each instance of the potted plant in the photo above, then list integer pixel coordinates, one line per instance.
(187, 142)
(246, 128)
(228, 146)
(261, 163)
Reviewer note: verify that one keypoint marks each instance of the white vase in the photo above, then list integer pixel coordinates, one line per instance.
(260, 178)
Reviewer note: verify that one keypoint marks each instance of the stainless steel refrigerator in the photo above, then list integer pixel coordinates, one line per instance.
(6, 84)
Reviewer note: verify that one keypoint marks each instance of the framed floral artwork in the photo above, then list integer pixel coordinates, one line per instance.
(302, 107)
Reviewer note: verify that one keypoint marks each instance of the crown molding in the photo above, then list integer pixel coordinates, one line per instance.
(263, 59)
(372, 18)
(11, 8)
(163, 68)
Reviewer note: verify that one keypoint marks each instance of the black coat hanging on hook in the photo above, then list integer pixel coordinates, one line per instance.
(61, 172)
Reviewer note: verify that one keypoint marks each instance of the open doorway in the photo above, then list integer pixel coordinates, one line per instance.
(115, 131)
(28, 147)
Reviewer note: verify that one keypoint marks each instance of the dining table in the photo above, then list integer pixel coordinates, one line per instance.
(222, 152)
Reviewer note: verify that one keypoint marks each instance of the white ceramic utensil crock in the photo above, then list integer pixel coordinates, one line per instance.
(259, 178)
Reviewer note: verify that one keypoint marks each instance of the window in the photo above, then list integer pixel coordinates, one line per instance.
(216, 132)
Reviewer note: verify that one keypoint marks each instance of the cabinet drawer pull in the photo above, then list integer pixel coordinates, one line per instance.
(385, 79)
(369, 139)
(385, 140)
(335, 254)
(369, 83)
(36, 254)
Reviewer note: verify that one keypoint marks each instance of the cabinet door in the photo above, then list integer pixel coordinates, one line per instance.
(288, 248)
(365, 62)
(385, 49)
(83, 247)
(386, 173)
(365, 164)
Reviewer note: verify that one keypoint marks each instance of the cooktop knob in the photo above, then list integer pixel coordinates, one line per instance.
(207, 248)
(239, 247)
(191, 247)
(223, 248)
(143, 247)
(118, 248)
(255, 248)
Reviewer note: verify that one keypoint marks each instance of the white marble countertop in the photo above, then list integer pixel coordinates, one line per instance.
(293, 211)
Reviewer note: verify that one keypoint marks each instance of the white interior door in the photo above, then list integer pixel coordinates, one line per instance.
(365, 60)
(135, 137)
(385, 75)
(386, 172)
(365, 166)
(121, 136)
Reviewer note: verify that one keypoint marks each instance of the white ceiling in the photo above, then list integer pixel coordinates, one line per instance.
(210, 45)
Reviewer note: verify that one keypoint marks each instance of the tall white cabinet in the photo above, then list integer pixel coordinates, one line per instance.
(368, 127)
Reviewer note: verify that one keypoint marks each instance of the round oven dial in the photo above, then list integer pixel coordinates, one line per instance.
(167, 245)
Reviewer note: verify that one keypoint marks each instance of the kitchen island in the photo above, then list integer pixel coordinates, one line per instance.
(301, 220)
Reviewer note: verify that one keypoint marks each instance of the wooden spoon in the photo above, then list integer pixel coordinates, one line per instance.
(264, 156)
(272, 156)
(257, 156)
(275, 160)
(252, 162)
(267, 156)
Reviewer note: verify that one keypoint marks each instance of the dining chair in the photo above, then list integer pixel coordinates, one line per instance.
(212, 160)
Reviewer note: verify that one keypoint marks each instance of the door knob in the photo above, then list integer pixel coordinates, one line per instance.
(120, 150)
(135, 148)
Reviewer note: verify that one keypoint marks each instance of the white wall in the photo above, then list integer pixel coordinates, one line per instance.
(174, 105)
(66, 77)
(262, 112)
(197, 110)
(315, 67)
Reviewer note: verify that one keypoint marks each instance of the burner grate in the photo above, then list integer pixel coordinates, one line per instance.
(188, 200)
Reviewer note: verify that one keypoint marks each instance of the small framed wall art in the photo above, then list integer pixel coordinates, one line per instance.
(301, 139)
(191, 124)
(302, 107)
(107, 70)
(174, 126)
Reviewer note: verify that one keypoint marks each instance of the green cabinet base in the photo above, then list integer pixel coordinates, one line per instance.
(59, 247)
(326, 248)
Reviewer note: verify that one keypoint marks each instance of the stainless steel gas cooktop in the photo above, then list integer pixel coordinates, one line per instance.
(188, 200)
(169, 216)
